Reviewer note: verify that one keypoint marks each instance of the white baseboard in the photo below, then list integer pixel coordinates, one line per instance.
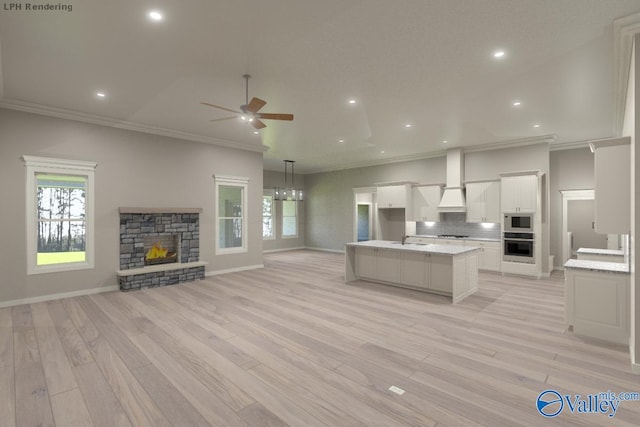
(635, 368)
(233, 270)
(283, 250)
(62, 295)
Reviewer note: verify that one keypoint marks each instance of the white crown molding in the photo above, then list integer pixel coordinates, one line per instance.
(123, 124)
(569, 145)
(624, 29)
(512, 143)
(543, 139)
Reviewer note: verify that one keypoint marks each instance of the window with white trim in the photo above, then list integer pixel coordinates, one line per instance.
(59, 213)
(289, 218)
(231, 221)
(268, 216)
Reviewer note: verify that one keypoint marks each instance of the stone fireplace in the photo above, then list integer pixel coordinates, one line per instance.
(159, 247)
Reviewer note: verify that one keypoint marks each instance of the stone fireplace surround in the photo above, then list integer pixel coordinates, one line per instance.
(140, 224)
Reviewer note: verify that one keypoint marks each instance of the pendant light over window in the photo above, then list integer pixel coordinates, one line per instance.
(289, 191)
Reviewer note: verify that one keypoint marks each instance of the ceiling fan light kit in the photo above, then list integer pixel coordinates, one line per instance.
(249, 110)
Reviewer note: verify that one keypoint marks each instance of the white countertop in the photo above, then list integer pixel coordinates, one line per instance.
(610, 267)
(415, 247)
(597, 251)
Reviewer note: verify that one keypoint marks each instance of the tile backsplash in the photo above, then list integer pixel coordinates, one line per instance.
(455, 223)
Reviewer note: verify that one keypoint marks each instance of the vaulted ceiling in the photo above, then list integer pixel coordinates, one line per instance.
(424, 63)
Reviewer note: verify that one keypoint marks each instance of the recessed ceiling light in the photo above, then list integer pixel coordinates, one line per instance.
(101, 94)
(341, 141)
(445, 141)
(498, 54)
(516, 103)
(537, 125)
(255, 132)
(381, 151)
(352, 101)
(154, 15)
(408, 125)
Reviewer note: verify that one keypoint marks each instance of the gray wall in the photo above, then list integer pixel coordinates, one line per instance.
(272, 179)
(580, 224)
(134, 170)
(330, 198)
(570, 170)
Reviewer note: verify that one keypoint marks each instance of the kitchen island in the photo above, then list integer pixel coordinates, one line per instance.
(450, 270)
(597, 295)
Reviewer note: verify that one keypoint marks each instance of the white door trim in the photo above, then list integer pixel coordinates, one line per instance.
(566, 196)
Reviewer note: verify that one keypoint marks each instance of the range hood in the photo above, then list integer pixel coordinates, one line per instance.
(453, 196)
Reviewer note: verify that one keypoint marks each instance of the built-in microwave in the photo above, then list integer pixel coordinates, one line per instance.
(518, 223)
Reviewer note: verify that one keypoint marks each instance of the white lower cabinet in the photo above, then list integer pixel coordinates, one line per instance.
(429, 271)
(489, 256)
(388, 264)
(441, 273)
(366, 263)
(415, 269)
(378, 264)
(597, 304)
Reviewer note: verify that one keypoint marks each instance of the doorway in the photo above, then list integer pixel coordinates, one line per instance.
(578, 225)
(364, 222)
(364, 218)
(581, 227)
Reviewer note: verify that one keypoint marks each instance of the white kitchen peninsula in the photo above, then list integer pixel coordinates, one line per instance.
(450, 270)
(597, 296)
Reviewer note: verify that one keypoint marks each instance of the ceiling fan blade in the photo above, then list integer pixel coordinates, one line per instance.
(258, 124)
(255, 105)
(224, 118)
(222, 108)
(275, 116)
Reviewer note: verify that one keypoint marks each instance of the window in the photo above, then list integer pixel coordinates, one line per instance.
(59, 214)
(268, 214)
(231, 202)
(289, 218)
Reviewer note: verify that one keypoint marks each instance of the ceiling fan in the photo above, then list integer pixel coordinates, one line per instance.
(249, 110)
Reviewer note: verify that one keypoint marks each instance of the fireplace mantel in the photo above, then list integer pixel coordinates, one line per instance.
(128, 210)
(161, 267)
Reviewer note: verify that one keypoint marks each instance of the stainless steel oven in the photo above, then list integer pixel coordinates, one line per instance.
(518, 247)
(518, 223)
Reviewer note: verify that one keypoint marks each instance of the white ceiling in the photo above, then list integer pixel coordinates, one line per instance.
(424, 62)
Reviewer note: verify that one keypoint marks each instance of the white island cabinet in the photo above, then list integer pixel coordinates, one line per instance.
(450, 270)
(597, 298)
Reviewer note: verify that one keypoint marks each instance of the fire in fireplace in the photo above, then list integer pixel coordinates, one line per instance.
(161, 251)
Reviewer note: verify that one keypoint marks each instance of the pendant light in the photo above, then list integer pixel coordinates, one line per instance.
(288, 192)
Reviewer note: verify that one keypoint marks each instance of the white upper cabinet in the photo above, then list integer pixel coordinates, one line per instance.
(425, 200)
(613, 185)
(394, 196)
(519, 193)
(483, 201)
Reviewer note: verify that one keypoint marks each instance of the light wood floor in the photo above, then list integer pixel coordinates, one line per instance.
(292, 344)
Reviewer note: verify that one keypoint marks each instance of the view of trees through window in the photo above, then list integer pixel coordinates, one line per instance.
(268, 232)
(61, 216)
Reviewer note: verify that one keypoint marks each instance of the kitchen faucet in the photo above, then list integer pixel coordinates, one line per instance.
(404, 239)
